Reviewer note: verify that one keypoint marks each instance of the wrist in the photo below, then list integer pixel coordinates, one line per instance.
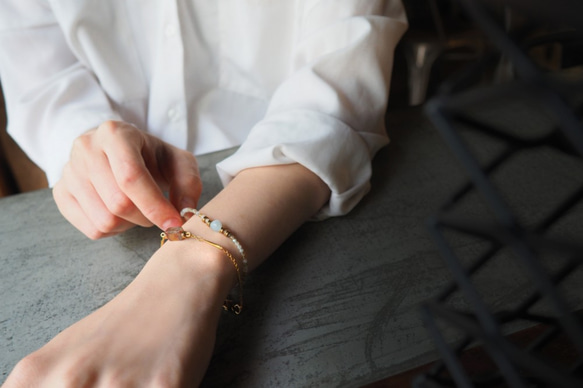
(199, 274)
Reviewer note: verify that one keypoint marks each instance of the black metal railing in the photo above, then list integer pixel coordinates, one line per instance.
(546, 259)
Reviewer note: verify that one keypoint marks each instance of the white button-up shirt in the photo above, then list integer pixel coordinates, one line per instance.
(290, 80)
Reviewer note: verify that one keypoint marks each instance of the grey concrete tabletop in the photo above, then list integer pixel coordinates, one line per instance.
(336, 305)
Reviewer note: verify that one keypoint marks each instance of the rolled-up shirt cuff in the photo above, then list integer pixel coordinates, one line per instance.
(332, 150)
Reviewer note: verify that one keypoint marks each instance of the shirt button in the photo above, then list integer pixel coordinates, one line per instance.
(173, 114)
(170, 30)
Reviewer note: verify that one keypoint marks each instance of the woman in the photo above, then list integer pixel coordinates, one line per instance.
(112, 99)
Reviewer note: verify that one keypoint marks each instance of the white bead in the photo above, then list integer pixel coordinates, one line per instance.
(216, 225)
(188, 210)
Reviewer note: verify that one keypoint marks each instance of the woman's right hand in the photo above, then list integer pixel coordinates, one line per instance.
(115, 180)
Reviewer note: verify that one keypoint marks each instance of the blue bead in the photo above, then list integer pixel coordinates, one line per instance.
(216, 225)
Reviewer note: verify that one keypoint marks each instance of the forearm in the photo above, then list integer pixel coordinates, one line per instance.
(262, 207)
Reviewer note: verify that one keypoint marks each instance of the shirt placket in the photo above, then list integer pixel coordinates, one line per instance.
(167, 112)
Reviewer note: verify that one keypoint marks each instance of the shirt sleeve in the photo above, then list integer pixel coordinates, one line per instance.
(50, 97)
(329, 114)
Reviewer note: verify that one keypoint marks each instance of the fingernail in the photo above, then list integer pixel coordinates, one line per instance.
(171, 223)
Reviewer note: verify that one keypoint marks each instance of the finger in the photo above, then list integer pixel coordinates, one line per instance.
(135, 181)
(86, 159)
(82, 207)
(183, 177)
(70, 209)
(29, 372)
(75, 366)
(92, 204)
(114, 199)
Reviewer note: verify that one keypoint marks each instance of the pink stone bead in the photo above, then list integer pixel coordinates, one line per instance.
(175, 233)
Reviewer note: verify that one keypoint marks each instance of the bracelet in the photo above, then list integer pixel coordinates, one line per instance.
(217, 226)
(178, 234)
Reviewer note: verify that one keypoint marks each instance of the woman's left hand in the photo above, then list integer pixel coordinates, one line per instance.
(158, 332)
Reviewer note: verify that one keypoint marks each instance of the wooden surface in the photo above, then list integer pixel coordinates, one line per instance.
(6, 180)
(17, 172)
(336, 305)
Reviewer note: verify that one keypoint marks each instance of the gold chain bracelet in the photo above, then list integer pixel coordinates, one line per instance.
(217, 226)
(178, 234)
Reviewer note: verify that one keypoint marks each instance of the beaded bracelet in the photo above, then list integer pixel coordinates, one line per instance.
(217, 226)
(178, 234)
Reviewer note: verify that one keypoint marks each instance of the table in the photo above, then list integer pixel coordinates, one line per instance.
(336, 305)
